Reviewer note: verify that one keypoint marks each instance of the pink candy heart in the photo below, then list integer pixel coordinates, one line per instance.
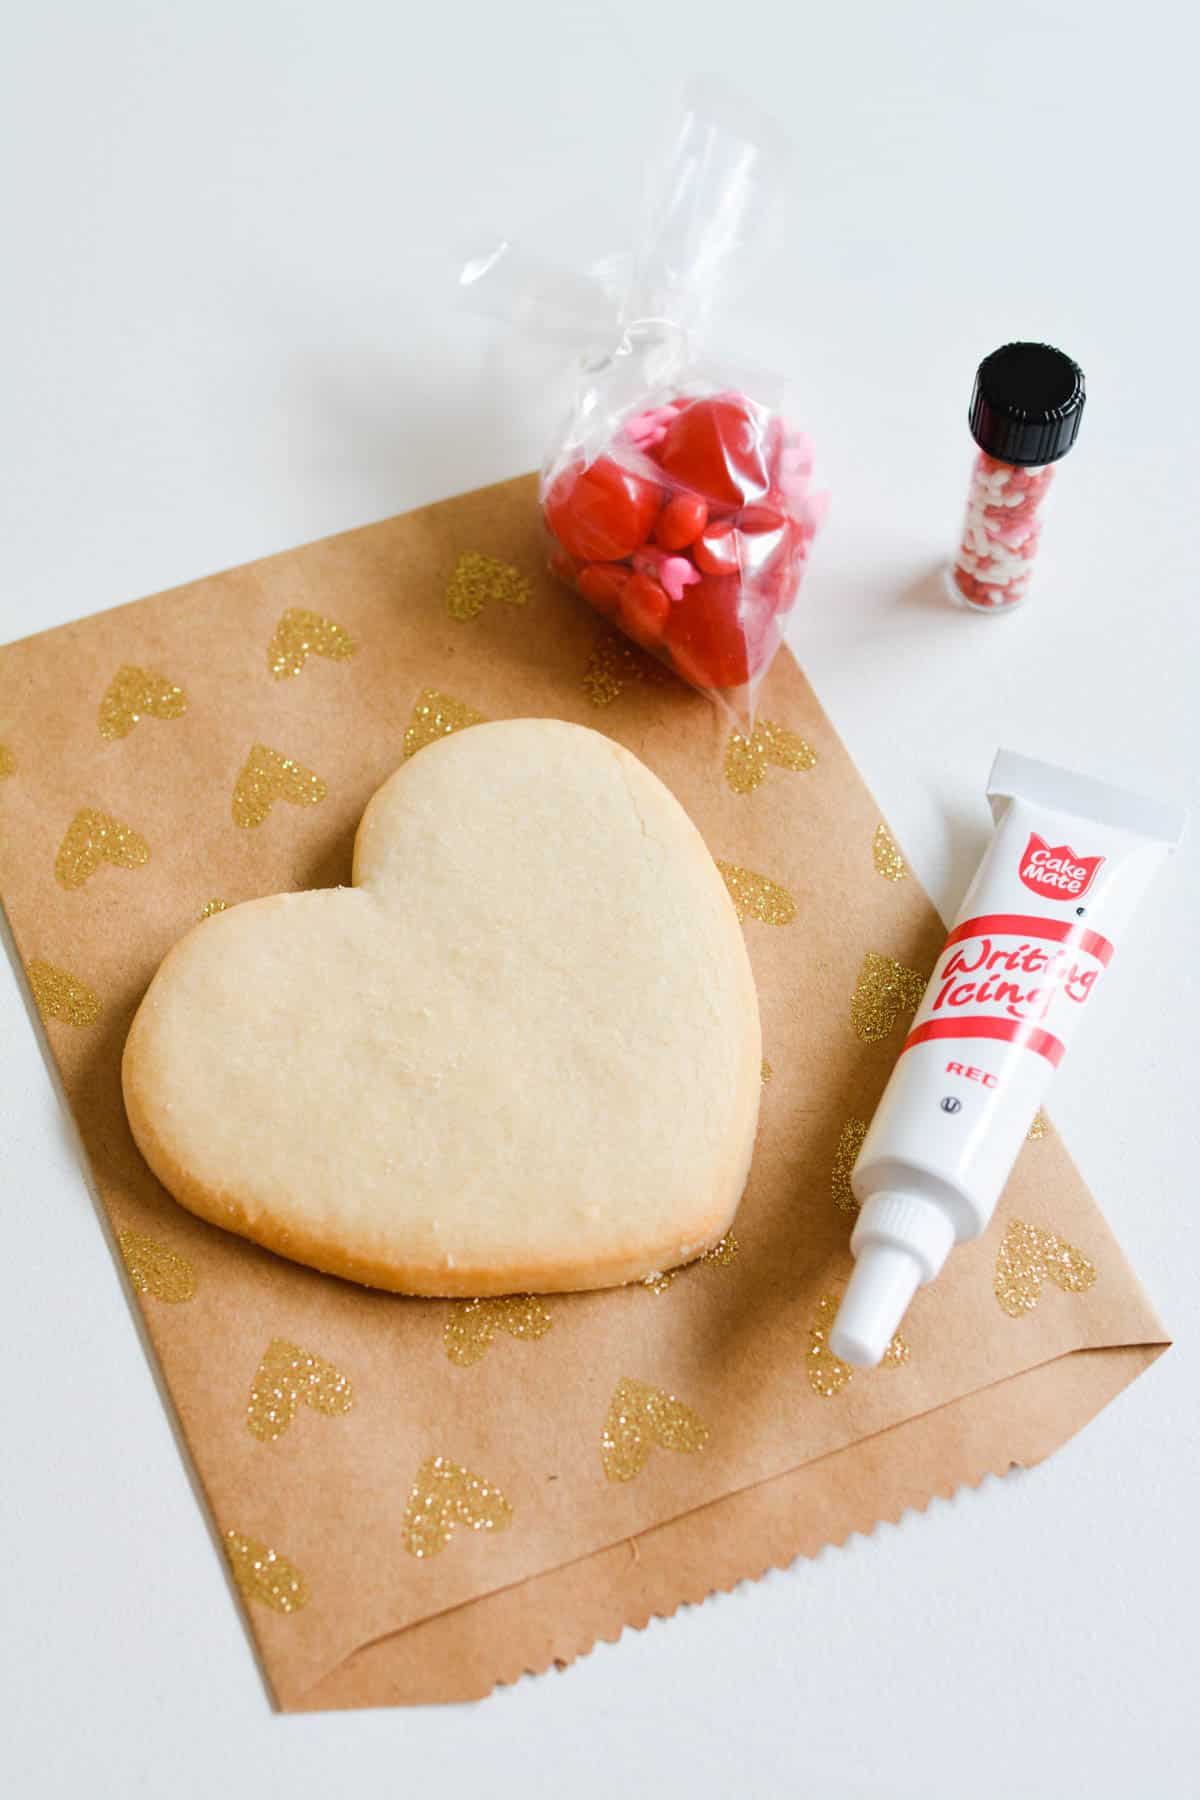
(673, 573)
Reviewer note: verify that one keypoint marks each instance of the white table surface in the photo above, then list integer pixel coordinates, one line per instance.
(221, 337)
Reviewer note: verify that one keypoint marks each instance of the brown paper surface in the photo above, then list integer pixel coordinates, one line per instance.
(786, 1465)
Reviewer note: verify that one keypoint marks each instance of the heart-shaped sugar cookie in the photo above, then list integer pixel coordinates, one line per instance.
(521, 1054)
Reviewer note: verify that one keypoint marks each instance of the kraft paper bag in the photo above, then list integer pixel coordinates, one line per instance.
(420, 1499)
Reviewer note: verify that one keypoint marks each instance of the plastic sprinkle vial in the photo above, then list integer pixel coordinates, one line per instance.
(1025, 413)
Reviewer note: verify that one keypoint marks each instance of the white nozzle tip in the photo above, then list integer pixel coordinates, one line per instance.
(877, 1297)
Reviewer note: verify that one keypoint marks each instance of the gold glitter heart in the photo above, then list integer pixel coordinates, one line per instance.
(885, 988)
(718, 1256)
(613, 663)
(1028, 1258)
(213, 906)
(747, 758)
(827, 1373)
(299, 635)
(639, 1417)
(262, 1574)
(1039, 1128)
(268, 776)
(155, 1269)
(61, 996)
(134, 694)
(888, 861)
(767, 1073)
(757, 897)
(844, 1159)
(436, 715)
(286, 1376)
(93, 838)
(473, 1324)
(478, 579)
(8, 762)
(445, 1495)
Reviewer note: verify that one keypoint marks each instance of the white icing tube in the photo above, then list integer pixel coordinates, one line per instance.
(1067, 865)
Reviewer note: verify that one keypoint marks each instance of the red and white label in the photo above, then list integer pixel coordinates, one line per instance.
(1013, 978)
(1055, 872)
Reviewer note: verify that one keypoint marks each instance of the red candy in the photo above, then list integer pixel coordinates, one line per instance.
(716, 553)
(601, 583)
(680, 522)
(713, 643)
(716, 447)
(695, 550)
(643, 610)
(601, 513)
(756, 519)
